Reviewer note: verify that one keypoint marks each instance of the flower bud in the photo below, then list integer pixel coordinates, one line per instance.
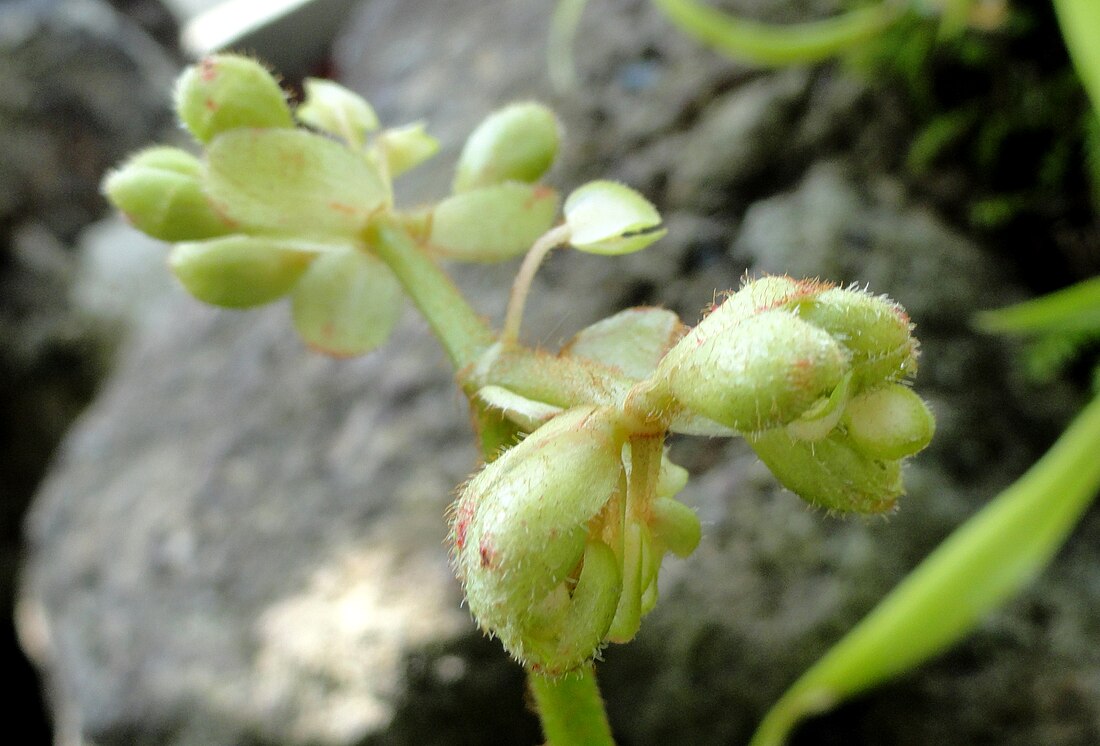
(605, 217)
(159, 190)
(516, 143)
(889, 423)
(332, 108)
(227, 91)
(405, 148)
(239, 271)
(520, 527)
(346, 303)
(875, 330)
(494, 223)
(758, 373)
(832, 473)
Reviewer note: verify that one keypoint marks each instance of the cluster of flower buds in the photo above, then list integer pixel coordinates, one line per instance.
(278, 202)
(559, 541)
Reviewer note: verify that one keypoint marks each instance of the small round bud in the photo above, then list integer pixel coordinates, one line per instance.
(763, 372)
(405, 148)
(889, 422)
(332, 108)
(516, 143)
(494, 223)
(605, 217)
(159, 190)
(346, 303)
(227, 91)
(520, 526)
(239, 271)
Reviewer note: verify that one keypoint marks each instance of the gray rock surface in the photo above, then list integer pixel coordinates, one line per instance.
(242, 542)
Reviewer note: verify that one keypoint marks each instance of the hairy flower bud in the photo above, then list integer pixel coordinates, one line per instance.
(832, 473)
(758, 373)
(227, 91)
(516, 143)
(875, 330)
(159, 190)
(520, 529)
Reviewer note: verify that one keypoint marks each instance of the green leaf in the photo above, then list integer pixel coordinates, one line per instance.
(516, 143)
(1080, 20)
(494, 223)
(605, 217)
(347, 303)
(240, 271)
(1072, 309)
(332, 108)
(983, 563)
(224, 92)
(292, 182)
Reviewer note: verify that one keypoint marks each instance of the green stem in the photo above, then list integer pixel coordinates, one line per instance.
(770, 44)
(571, 709)
(463, 334)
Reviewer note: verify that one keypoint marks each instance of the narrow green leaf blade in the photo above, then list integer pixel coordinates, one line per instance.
(983, 563)
(768, 44)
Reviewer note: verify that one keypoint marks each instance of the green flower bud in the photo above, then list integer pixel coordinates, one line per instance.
(889, 423)
(225, 92)
(516, 143)
(494, 223)
(332, 108)
(873, 328)
(239, 271)
(568, 626)
(159, 190)
(832, 473)
(605, 217)
(293, 182)
(520, 529)
(764, 371)
(405, 148)
(675, 526)
(346, 303)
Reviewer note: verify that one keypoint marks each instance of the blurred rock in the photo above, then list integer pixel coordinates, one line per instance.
(80, 86)
(242, 542)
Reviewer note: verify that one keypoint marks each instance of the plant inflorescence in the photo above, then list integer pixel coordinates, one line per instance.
(559, 537)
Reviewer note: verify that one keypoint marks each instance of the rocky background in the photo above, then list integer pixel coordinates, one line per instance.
(241, 542)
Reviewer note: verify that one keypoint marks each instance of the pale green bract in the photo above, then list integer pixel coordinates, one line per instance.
(346, 303)
(605, 217)
(292, 182)
(493, 223)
